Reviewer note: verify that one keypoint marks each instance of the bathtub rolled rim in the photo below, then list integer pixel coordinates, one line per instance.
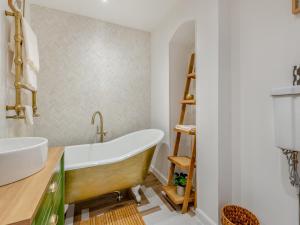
(130, 154)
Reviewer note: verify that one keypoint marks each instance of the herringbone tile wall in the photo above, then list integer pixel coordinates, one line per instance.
(89, 65)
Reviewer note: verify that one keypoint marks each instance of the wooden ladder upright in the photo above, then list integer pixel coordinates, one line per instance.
(184, 162)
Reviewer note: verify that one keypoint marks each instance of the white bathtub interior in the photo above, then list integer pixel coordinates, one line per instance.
(119, 149)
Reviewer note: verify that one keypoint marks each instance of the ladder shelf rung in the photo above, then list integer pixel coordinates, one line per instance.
(174, 197)
(191, 130)
(191, 76)
(189, 102)
(183, 162)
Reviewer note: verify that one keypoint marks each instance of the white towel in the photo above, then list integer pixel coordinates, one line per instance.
(31, 59)
(30, 77)
(31, 64)
(11, 43)
(31, 47)
(28, 115)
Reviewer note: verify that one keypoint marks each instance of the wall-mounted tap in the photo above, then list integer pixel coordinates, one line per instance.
(100, 130)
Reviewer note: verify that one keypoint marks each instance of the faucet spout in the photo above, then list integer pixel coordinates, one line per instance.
(100, 128)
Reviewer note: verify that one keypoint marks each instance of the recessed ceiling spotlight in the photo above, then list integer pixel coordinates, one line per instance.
(104, 1)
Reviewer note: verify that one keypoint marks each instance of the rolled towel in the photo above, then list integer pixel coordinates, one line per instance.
(28, 115)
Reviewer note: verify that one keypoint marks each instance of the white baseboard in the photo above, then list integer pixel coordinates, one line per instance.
(159, 175)
(204, 218)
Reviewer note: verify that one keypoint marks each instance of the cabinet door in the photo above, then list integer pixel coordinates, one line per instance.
(51, 211)
(44, 210)
(58, 196)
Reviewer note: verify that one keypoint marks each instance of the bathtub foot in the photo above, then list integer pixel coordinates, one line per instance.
(136, 193)
(119, 195)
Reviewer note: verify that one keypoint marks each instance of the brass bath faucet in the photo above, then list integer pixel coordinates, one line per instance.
(100, 130)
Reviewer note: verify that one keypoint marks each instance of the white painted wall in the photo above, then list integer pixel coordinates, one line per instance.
(160, 100)
(3, 67)
(208, 87)
(265, 40)
(225, 125)
(244, 49)
(207, 49)
(181, 46)
(235, 103)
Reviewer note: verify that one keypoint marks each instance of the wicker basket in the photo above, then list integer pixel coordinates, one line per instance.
(236, 215)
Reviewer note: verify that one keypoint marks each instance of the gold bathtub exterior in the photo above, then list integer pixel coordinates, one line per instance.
(87, 183)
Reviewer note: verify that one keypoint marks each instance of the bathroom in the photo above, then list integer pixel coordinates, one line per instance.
(128, 60)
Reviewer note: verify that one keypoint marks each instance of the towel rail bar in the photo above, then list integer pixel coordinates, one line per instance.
(18, 108)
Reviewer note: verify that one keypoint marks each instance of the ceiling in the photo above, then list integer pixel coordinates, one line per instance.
(139, 14)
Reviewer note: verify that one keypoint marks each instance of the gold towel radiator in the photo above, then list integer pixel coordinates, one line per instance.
(18, 108)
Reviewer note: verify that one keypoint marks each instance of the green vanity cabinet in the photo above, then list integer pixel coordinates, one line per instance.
(51, 210)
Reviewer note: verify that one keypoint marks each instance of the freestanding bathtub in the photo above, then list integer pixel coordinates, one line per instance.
(96, 169)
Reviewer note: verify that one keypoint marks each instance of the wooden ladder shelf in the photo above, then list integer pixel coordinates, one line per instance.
(186, 163)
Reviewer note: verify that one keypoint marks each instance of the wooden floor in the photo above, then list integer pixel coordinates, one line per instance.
(88, 209)
(127, 215)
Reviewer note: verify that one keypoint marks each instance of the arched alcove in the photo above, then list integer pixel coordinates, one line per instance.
(181, 46)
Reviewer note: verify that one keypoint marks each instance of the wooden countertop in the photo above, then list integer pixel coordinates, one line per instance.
(20, 201)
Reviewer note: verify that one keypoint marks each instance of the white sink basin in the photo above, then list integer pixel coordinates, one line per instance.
(21, 157)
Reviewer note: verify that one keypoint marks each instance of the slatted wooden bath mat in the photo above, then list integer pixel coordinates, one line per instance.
(127, 215)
